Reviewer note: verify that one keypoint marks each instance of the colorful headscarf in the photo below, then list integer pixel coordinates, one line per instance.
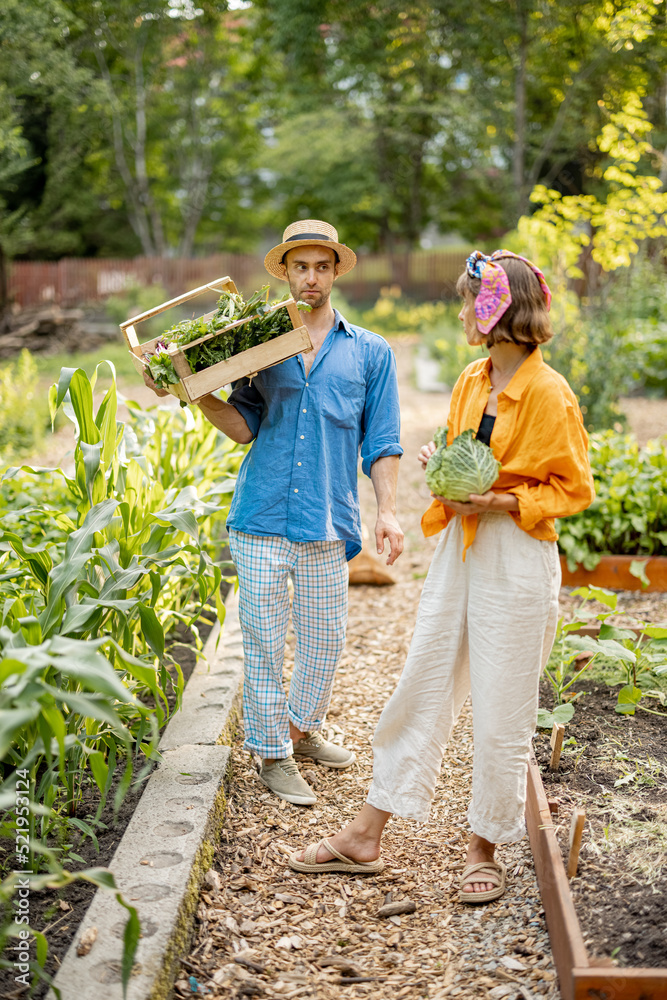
(495, 297)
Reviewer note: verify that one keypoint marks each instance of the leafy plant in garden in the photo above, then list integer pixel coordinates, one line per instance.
(23, 414)
(629, 513)
(638, 652)
(89, 591)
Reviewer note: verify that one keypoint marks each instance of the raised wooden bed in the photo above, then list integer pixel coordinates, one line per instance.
(194, 385)
(614, 572)
(578, 978)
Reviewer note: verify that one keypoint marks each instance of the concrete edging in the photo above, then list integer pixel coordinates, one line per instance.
(169, 842)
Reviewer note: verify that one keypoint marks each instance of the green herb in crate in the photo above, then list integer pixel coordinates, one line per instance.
(161, 365)
(267, 323)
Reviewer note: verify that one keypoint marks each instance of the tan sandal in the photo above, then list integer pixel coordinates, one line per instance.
(487, 871)
(310, 865)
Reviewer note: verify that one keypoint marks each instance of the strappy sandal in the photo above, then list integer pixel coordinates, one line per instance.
(310, 865)
(485, 871)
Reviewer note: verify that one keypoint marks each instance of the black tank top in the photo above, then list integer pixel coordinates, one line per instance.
(486, 428)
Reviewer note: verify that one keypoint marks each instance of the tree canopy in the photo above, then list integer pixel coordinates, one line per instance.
(165, 127)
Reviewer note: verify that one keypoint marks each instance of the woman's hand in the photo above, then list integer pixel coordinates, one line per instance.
(481, 503)
(426, 452)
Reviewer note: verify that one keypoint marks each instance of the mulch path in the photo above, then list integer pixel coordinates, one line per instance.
(263, 930)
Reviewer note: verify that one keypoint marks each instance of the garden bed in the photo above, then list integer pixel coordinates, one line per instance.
(58, 913)
(614, 767)
(616, 572)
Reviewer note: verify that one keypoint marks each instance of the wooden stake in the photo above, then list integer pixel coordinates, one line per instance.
(557, 734)
(576, 834)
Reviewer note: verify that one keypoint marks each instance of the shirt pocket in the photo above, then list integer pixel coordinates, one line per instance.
(343, 401)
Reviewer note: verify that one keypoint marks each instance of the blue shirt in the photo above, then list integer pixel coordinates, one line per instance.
(299, 478)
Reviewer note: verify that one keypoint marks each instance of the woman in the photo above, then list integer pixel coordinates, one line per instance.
(489, 608)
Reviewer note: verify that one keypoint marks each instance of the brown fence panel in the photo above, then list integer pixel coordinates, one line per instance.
(81, 281)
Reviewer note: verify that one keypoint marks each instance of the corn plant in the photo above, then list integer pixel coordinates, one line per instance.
(89, 591)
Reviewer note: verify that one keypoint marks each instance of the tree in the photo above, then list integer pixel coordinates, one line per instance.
(175, 84)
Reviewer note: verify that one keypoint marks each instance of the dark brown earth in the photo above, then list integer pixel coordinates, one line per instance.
(619, 890)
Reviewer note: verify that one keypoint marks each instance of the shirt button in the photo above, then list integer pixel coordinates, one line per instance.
(296, 491)
(302, 437)
(298, 463)
(307, 383)
(304, 411)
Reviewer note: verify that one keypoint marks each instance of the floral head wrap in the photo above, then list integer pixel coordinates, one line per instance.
(495, 297)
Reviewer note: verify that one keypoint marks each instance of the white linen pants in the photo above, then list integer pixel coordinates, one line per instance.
(319, 616)
(486, 627)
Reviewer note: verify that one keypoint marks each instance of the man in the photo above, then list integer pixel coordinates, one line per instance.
(295, 511)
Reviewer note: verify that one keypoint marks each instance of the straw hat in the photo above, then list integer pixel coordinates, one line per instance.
(308, 233)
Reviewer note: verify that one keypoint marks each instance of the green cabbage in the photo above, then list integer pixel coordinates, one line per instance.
(467, 466)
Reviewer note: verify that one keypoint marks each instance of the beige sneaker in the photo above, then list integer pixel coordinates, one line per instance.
(284, 780)
(315, 746)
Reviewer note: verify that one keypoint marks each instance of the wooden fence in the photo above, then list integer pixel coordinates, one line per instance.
(421, 275)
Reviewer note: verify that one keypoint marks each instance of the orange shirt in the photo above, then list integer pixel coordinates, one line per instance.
(539, 438)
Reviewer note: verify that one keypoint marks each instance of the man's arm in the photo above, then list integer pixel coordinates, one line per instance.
(222, 415)
(226, 418)
(384, 476)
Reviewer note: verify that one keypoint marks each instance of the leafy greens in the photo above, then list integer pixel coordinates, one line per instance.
(264, 322)
(467, 466)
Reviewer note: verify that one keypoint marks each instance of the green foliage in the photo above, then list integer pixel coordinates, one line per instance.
(633, 207)
(448, 345)
(634, 656)
(263, 321)
(136, 299)
(629, 513)
(23, 412)
(436, 323)
(90, 589)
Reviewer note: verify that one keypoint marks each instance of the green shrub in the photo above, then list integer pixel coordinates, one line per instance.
(436, 323)
(629, 513)
(24, 414)
(135, 300)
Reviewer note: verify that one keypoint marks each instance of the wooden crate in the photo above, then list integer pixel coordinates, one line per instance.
(194, 385)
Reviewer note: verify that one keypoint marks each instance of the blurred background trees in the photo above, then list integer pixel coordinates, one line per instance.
(175, 127)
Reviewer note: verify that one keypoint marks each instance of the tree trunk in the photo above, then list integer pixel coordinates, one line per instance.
(4, 292)
(519, 154)
(140, 170)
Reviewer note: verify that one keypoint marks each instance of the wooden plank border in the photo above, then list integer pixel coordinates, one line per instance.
(577, 977)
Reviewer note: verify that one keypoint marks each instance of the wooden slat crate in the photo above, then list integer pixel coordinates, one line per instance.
(194, 385)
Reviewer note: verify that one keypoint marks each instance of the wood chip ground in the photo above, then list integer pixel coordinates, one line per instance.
(265, 931)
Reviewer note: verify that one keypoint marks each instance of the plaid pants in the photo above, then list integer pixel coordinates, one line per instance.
(319, 616)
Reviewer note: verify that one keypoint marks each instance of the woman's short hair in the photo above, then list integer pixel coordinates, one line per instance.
(527, 320)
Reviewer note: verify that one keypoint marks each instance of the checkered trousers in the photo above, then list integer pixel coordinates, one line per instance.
(319, 615)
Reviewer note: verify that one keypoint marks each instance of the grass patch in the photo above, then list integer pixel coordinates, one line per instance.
(48, 367)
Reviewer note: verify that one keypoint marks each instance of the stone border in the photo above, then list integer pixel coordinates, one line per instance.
(169, 843)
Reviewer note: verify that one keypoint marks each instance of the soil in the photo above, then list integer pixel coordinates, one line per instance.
(619, 889)
(57, 913)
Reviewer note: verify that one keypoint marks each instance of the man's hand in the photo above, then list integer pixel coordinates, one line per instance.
(481, 503)
(387, 527)
(151, 384)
